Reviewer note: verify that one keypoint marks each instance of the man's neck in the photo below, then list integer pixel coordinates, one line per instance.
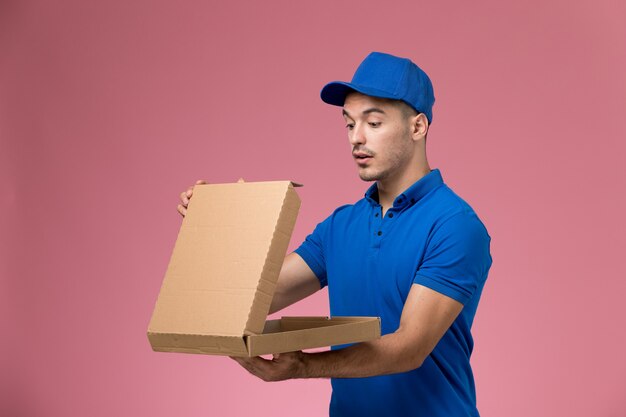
(390, 188)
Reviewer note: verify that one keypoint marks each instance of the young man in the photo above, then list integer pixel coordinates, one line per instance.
(411, 252)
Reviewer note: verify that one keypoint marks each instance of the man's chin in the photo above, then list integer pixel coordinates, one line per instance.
(368, 176)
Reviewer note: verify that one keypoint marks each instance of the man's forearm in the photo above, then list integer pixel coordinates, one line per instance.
(386, 355)
(426, 317)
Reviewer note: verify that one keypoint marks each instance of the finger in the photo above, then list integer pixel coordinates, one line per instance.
(181, 210)
(184, 199)
(243, 361)
(245, 364)
(200, 182)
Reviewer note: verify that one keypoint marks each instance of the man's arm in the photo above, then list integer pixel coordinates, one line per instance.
(295, 282)
(426, 316)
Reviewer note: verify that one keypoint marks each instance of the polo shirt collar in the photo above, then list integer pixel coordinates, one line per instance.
(412, 194)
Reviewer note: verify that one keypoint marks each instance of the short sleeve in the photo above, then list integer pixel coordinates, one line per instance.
(457, 259)
(312, 251)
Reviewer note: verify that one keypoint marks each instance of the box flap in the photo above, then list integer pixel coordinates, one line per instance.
(296, 333)
(229, 251)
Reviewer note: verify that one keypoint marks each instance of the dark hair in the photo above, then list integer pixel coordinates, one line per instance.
(409, 111)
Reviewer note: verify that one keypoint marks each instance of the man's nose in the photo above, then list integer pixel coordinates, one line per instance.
(357, 135)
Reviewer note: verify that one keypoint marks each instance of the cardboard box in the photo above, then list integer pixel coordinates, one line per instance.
(219, 284)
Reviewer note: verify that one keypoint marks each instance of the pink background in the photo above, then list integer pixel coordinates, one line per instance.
(108, 110)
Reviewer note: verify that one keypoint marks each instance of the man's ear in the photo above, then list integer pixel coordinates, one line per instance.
(419, 126)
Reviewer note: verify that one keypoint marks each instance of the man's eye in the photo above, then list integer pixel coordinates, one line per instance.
(350, 126)
(374, 124)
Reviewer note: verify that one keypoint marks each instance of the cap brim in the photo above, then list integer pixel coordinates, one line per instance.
(335, 92)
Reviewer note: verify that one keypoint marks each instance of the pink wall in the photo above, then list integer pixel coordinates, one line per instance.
(109, 109)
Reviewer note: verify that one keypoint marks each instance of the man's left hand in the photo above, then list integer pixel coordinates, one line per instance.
(281, 367)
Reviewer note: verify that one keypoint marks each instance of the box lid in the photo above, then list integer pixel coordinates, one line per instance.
(223, 271)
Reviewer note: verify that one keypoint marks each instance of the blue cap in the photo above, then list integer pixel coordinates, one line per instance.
(386, 76)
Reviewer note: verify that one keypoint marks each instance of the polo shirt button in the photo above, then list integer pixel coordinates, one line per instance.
(390, 214)
(376, 214)
(380, 233)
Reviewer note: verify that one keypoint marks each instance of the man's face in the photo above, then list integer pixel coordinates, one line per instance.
(379, 131)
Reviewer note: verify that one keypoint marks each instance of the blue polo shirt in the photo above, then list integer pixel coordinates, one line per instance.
(430, 237)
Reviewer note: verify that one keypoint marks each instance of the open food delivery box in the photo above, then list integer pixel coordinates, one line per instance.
(219, 284)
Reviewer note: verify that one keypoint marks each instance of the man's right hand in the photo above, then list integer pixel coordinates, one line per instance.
(185, 196)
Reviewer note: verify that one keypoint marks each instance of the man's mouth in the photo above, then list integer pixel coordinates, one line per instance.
(361, 157)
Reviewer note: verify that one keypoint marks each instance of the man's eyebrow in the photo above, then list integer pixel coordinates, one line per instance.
(374, 110)
(365, 112)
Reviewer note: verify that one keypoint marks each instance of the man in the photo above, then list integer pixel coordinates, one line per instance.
(411, 252)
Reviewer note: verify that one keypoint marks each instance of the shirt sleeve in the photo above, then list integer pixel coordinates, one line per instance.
(457, 259)
(312, 251)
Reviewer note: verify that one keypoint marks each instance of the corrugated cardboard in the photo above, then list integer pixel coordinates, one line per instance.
(219, 284)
